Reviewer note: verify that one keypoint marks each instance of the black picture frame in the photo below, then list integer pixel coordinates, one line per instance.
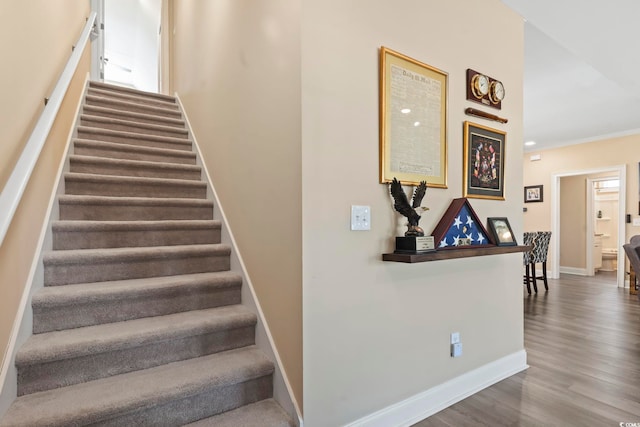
(501, 231)
(533, 194)
(484, 162)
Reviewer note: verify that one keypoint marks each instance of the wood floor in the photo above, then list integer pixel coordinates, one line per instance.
(583, 347)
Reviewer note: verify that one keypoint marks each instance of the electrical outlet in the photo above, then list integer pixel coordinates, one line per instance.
(455, 337)
(456, 350)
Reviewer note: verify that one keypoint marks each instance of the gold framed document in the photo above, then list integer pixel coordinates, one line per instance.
(413, 121)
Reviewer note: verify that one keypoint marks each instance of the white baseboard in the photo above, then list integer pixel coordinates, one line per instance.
(427, 403)
(573, 270)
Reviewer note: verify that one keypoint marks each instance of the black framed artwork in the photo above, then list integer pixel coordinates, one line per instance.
(533, 193)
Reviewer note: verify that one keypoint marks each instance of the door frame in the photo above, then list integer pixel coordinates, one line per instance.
(97, 42)
(621, 172)
(164, 44)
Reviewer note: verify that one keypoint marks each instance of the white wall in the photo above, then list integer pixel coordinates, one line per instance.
(376, 333)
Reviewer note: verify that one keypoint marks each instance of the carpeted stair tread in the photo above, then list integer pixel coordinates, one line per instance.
(265, 413)
(133, 126)
(132, 186)
(138, 92)
(72, 343)
(99, 400)
(111, 234)
(123, 105)
(85, 304)
(125, 167)
(119, 150)
(134, 138)
(107, 208)
(119, 290)
(84, 255)
(133, 98)
(95, 110)
(100, 265)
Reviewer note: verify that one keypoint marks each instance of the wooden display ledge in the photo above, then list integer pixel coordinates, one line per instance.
(454, 253)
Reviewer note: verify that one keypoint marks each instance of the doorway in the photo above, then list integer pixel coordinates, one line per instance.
(127, 48)
(619, 173)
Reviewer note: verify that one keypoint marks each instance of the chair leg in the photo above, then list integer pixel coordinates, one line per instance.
(533, 275)
(527, 279)
(544, 275)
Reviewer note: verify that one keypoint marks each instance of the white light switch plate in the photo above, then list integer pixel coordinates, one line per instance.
(636, 222)
(360, 218)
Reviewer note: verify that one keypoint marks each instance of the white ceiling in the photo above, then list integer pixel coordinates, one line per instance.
(582, 70)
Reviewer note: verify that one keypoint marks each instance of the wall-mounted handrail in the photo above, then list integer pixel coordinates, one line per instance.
(17, 182)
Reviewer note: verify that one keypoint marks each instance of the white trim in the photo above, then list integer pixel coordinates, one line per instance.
(554, 247)
(23, 322)
(219, 214)
(17, 182)
(427, 403)
(573, 270)
(590, 270)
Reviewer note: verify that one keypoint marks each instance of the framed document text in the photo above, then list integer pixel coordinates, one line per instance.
(484, 161)
(413, 121)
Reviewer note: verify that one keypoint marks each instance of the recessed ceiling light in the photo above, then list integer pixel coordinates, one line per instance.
(530, 143)
(405, 110)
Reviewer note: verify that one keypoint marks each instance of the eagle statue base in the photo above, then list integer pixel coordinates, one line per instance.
(415, 244)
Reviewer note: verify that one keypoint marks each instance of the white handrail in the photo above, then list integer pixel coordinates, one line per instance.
(17, 182)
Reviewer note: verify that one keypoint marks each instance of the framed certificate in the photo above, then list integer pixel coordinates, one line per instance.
(413, 121)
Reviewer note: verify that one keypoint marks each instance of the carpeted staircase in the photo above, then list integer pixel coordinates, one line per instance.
(140, 321)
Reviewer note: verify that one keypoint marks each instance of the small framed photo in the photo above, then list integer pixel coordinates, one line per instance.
(533, 193)
(501, 231)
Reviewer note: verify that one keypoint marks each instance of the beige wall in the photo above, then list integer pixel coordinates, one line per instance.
(236, 67)
(573, 222)
(35, 44)
(574, 158)
(376, 333)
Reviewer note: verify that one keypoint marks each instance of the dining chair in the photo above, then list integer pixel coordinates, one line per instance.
(528, 239)
(539, 256)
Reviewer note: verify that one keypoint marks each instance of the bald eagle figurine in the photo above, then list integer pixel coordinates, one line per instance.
(401, 204)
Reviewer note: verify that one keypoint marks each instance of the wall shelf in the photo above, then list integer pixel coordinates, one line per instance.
(454, 253)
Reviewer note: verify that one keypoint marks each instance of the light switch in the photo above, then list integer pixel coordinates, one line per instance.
(360, 218)
(636, 222)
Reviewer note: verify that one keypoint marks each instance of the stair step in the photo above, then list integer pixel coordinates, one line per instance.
(132, 138)
(62, 358)
(172, 394)
(102, 208)
(117, 234)
(115, 150)
(131, 91)
(128, 115)
(139, 168)
(86, 304)
(114, 103)
(102, 265)
(133, 98)
(133, 126)
(260, 414)
(132, 186)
